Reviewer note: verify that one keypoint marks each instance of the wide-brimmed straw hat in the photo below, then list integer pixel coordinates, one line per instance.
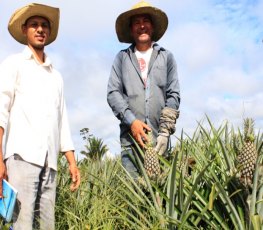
(159, 20)
(34, 9)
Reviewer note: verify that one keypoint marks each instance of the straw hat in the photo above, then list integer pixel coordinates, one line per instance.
(34, 9)
(159, 19)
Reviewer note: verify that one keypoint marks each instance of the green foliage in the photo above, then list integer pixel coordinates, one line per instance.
(199, 188)
(107, 199)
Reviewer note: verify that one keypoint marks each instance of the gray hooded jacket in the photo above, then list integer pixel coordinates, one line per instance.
(130, 99)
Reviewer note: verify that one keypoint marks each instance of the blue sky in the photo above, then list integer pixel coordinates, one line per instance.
(217, 45)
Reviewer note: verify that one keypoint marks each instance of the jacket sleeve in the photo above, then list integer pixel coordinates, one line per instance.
(116, 97)
(173, 88)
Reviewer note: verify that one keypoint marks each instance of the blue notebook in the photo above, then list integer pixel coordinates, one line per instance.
(7, 203)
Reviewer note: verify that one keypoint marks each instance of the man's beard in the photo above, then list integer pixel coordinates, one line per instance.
(38, 47)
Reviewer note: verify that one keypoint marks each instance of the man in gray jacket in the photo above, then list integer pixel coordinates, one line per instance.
(143, 88)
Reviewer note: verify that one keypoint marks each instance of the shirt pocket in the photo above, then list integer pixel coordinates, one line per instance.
(160, 76)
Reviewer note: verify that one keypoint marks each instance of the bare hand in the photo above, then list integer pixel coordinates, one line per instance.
(3, 175)
(137, 130)
(75, 177)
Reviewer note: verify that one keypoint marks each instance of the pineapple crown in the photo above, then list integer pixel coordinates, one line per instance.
(150, 140)
(249, 130)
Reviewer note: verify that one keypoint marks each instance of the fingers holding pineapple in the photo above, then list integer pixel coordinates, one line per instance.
(139, 132)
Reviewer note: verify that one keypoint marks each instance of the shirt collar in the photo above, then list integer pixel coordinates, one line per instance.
(28, 54)
(155, 46)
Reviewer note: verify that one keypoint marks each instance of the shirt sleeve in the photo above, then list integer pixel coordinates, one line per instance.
(116, 93)
(8, 75)
(66, 143)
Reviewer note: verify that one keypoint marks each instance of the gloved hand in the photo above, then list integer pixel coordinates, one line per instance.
(137, 131)
(162, 143)
(167, 122)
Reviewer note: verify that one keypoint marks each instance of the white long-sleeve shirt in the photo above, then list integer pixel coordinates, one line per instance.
(32, 109)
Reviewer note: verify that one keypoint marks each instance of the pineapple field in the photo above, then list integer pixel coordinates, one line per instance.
(211, 180)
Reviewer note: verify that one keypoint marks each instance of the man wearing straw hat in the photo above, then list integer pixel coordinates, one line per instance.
(33, 118)
(143, 88)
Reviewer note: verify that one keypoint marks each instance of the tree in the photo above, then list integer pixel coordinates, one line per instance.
(95, 149)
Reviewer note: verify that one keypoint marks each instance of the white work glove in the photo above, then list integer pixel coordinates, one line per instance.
(162, 143)
(166, 128)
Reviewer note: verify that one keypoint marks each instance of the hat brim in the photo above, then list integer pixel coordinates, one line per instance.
(159, 20)
(20, 16)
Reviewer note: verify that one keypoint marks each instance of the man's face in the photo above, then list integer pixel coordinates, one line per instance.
(141, 28)
(37, 31)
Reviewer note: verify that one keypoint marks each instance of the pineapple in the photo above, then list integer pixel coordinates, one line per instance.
(248, 154)
(151, 160)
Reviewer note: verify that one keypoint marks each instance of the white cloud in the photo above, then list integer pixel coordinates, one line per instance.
(218, 49)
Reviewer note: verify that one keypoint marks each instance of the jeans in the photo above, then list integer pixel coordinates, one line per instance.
(36, 187)
(129, 161)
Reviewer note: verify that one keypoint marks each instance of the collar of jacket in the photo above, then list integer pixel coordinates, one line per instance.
(155, 47)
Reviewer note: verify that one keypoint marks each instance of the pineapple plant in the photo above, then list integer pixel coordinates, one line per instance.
(151, 160)
(248, 154)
